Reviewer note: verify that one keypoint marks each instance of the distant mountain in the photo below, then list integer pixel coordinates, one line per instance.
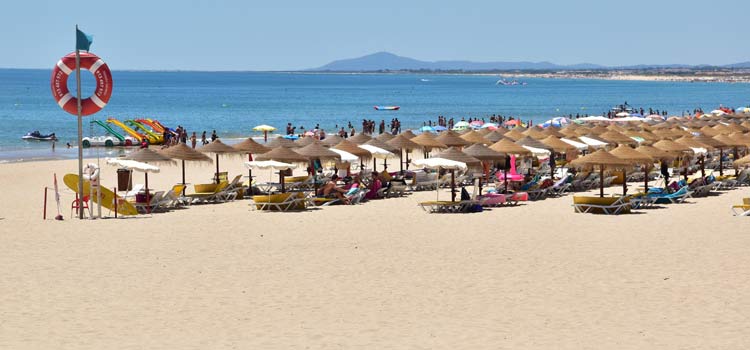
(382, 61)
(388, 61)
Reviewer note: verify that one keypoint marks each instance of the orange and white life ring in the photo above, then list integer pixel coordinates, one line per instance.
(93, 64)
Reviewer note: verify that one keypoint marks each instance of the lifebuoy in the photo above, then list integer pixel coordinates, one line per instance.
(65, 66)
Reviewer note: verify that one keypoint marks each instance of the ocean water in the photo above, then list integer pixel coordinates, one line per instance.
(233, 102)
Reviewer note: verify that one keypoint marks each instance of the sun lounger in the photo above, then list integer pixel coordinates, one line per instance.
(492, 200)
(280, 201)
(447, 206)
(742, 209)
(216, 195)
(677, 197)
(603, 205)
(150, 206)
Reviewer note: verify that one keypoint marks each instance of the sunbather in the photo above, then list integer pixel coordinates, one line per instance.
(331, 189)
(375, 186)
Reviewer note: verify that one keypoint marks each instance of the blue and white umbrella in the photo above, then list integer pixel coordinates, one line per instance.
(427, 128)
(557, 122)
(440, 128)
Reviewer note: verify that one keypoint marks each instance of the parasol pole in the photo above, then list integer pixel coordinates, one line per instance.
(453, 185)
(250, 171)
(183, 177)
(601, 181)
(217, 168)
(721, 161)
(80, 125)
(645, 172)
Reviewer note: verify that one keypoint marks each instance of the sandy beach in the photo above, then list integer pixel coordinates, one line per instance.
(379, 275)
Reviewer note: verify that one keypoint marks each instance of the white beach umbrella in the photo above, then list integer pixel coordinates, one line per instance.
(346, 156)
(133, 165)
(270, 165)
(441, 163)
(539, 152)
(578, 145)
(592, 142)
(594, 118)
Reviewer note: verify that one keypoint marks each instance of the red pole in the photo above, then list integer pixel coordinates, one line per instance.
(44, 215)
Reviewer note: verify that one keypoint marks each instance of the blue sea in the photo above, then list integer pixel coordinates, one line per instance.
(233, 102)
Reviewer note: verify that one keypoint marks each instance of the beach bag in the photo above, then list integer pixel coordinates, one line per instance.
(465, 195)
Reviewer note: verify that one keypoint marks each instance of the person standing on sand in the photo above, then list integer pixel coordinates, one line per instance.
(203, 138)
(193, 139)
(214, 136)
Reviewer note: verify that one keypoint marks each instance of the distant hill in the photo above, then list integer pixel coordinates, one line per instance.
(382, 61)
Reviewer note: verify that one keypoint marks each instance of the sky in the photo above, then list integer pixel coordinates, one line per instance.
(289, 35)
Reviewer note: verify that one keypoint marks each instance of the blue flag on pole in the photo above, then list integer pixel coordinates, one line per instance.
(83, 40)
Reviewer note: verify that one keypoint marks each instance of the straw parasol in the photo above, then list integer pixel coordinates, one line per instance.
(534, 133)
(382, 145)
(146, 155)
(280, 141)
(601, 158)
(485, 155)
(552, 131)
(556, 144)
(674, 147)
(452, 139)
(475, 137)
(629, 154)
(514, 135)
(217, 147)
(508, 147)
(616, 137)
(332, 140)
(453, 153)
(385, 137)
(352, 148)
(316, 150)
(304, 141)
(598, 130)
(494, 137)
(360, 138)
(284, 155)
(428, 142)
(265, 129)
(401, 142)
(250, 147)
(408, 134)
(184, 153)
(531, 142)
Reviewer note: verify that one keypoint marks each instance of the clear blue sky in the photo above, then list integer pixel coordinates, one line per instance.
(285, 35)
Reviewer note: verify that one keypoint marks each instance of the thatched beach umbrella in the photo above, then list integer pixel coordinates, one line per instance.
(332, 140)
(408, 134)
(601, 158)
(475, 137)
(493, 137)
(352, 148)
(452, 139)
(534, 133)
(508, 147)
(743, 161)
(316, 150)
(456, 155)
(360, 138)
(428, 142)
(401, 142)
(385, 137)
(730, 142)
(280, 141)
(304, 141)
(616, 137)
(284, 155)
(217, 147)
(675, 148)
(485, 155)
(629, 154)
(146, 155)
(514, 135)
(655, 154)
(382, 145)
(250, 147)
(184, 153)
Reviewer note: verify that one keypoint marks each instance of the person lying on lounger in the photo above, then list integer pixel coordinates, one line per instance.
(330, 189)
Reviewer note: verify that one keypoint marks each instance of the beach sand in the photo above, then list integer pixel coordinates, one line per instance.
(382, 275)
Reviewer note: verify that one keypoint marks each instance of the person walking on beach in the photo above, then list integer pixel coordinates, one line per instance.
(193, 139)
(203, 138)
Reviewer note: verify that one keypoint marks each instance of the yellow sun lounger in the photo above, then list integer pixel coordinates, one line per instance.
(742, 209)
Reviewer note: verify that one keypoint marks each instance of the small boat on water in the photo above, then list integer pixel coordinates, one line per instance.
(37, 136)
(387, 108)
(509, 83)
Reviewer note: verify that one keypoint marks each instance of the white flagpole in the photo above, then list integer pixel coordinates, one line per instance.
(80, 130)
